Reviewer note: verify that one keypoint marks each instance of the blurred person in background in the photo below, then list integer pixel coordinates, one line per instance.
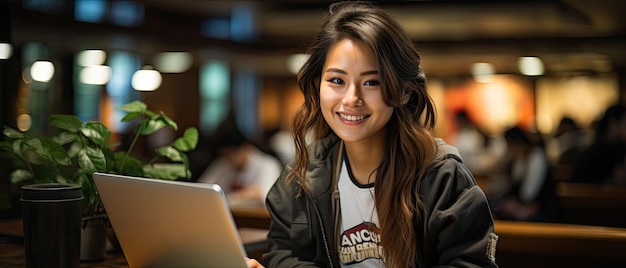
(244, 172)
(471, 142)
(605, 160)
(281, 142)
(529, 194)
(565, 148)
(570, 141)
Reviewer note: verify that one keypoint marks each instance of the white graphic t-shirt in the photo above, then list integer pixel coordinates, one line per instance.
(359, 242)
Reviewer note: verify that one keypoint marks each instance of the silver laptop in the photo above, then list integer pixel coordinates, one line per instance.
(161, 223)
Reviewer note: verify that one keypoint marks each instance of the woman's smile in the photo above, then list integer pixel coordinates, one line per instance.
(352, 118)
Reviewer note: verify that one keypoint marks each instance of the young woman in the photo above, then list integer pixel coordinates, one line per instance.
(374, 188)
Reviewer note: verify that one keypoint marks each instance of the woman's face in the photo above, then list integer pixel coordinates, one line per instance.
(350, 93)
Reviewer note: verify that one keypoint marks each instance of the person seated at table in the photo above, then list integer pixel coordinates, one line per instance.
(569, 141)
(604, 162)
(530, 195)
(471, 142)
(244, 172)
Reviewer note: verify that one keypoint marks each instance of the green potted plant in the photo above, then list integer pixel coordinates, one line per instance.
(79, 149)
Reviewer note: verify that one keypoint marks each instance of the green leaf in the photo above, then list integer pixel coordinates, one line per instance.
(187, 173)
(150, 114)
(134, 107)
(21, 175)
(5, 154)
(17, 147)
(43, 150)
(132, 166)
(45, 173)
(170, 152)
(165, 171)
(109, 157)
(66, 122)
(6, 149)
(168, 121)
(151, 126)
(97, 132)
(13, 134)
(90, 193)
(188, 141)
(130, 117)
(91, 160)
(74, 148)
(65, 137)
(60, 179)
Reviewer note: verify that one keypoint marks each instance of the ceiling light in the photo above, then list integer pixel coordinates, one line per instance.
(95, 75)
(6, 50)
(482, 72)
(531, 66)
(91, 57)
(42, 71)
(146, 79)
(172, 62)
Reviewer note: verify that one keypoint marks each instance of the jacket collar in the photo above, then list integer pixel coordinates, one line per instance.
(447, 150)
(323, 157)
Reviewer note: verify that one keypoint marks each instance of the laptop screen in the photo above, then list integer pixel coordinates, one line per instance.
(161, 223)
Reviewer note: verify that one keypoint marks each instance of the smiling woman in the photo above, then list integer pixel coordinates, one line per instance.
(374, 168)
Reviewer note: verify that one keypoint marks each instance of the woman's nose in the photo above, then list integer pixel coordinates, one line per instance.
(352, 96)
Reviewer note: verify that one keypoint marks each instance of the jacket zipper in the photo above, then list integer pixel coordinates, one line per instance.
(319, 218)
(334, 179)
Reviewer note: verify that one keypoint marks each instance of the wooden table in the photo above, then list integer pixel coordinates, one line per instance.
(538, 245)
(251, 217)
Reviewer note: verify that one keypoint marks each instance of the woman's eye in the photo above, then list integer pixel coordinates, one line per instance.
(335, 81)
(372, 83)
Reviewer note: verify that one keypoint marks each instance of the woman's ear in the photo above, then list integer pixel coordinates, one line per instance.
(406, 98)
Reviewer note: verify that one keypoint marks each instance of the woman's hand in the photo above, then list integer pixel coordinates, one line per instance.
(252, 263)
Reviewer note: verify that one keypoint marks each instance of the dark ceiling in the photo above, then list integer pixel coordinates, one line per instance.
(569, 35)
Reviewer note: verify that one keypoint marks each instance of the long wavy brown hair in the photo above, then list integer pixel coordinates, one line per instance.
(410, 145)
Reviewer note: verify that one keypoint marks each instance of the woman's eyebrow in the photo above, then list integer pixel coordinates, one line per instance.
(335, 70)
(369, 72)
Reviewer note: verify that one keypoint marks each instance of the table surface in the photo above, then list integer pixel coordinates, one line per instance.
(12, 243)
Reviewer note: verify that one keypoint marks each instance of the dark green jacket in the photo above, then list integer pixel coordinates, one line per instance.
(456, 231)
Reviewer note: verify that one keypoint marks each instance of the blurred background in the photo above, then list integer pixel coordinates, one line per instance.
(212, 63)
